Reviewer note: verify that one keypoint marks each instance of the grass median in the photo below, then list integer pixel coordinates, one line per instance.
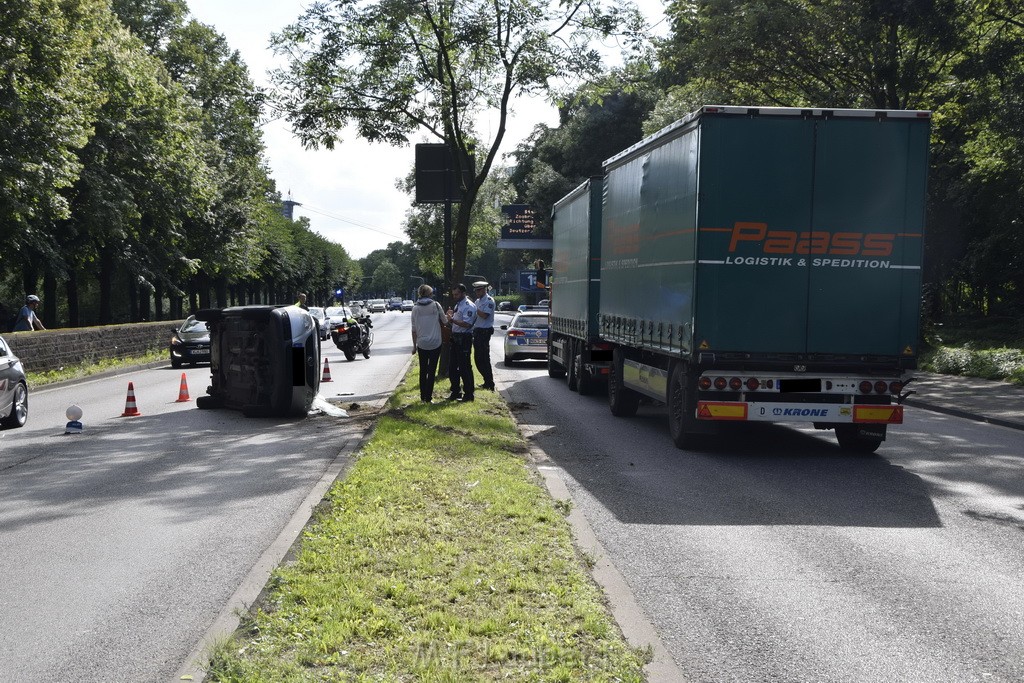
(440, 557)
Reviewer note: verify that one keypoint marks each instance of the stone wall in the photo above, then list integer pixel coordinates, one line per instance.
(53, 349)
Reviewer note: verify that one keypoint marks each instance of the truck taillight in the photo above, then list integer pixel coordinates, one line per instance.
(753, 384)
(735, 384)
(881, 387)
(895, 387)
(720, 383)
(704, 383)
(865, 387)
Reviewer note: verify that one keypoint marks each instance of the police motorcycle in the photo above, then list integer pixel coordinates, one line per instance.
(352, 335)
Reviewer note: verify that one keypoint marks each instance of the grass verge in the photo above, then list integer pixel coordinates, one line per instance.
(988, 348)
(92, 367)
(439, 557)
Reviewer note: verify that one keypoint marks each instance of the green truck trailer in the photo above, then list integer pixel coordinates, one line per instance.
(755, 264)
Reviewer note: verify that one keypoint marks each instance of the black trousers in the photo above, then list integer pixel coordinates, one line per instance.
(482, 354)
(460, 369)
(428, 371)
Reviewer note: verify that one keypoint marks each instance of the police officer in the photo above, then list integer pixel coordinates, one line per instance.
(483, 328)
(460, 370)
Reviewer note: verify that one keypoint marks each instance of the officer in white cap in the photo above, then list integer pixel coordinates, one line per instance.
(482, 331)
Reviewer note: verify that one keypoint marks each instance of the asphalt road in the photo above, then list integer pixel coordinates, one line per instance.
(121, 545)
(773, 556)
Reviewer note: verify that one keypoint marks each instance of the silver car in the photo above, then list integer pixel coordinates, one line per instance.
(13, 389)
(526, 337)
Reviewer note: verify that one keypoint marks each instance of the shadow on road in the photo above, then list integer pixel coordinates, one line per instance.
(752, 474)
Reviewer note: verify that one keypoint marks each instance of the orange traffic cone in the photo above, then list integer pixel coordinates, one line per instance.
(183, 391)
(327, 372)
(130, 409)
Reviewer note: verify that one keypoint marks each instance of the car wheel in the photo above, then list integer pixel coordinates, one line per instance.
(19, 408)
(509, 361)
(175, 363)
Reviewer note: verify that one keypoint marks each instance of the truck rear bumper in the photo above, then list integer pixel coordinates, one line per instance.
(753, 411)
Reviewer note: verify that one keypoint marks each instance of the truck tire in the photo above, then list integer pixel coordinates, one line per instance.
(851, 441)
(585, 383)
(573, 380)
(555, 369)
(680, 406)
(622, 401)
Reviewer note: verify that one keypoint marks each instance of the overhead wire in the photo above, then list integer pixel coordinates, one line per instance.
(358, 224)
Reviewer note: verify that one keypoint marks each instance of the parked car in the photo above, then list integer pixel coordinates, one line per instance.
(322, 322)
(377, 305)
(407, 305)
(523, 308)
(526, 337)
(395, 303)
(546, 303)
(504, 305)
(190, 343)
(13, 389)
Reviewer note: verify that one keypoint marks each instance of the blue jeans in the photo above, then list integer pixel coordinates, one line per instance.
(460, 367)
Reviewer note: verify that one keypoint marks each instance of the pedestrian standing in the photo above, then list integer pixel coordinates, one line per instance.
(428, 319)
(27, 318)
(301, 303)
(483, 329)
(460, 369)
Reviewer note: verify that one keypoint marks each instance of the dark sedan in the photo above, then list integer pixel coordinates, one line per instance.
(190, 343)
(13, 389)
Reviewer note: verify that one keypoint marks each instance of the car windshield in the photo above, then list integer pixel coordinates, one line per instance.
(377, 302)
(530, 322)
(337, 312)
(316, 312)
(193, 325)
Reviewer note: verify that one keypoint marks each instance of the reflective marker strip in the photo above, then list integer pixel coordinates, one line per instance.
(878, 414)
(708, 410)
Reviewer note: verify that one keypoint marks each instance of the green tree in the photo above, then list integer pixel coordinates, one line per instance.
(394, 67)
(48, 101)
(387, 278)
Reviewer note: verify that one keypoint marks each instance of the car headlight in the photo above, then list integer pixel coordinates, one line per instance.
(175, 341)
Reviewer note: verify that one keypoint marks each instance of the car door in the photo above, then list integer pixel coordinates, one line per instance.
(7, 377)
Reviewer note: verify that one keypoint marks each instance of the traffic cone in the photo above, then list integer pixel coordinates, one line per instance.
(327, 372)
(183, 391)
(130, 409)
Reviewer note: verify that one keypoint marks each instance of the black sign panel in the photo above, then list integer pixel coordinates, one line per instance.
(522, 222)
(436, 181)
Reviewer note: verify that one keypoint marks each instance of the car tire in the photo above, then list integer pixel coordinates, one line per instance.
(209, 403)
(509, 361)
(175, 363)
(19, 408)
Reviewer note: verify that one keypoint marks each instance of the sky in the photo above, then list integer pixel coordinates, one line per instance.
(349, 193)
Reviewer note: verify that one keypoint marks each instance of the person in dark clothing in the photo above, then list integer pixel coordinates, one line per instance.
(460, 366)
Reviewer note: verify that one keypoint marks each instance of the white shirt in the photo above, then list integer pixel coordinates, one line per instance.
(485, 304)
(465, 312)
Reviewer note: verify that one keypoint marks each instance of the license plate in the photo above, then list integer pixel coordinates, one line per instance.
(199, 352)
(536, 341)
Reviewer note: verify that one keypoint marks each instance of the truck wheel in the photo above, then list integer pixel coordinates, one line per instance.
(555, 369)
(622, 401)
(573, 379)
(852, 441)
(584, 381)
(679, 407)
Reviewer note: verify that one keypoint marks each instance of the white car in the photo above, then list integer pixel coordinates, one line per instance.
(377, 305)
(335, 315)
(526, 337)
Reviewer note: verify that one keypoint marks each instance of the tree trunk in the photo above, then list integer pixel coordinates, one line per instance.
(49, 300)
(221, 286)
(158, 300)
(144, 303)
(106, 280)
(133, 301)
(29, 278)
(74, 320)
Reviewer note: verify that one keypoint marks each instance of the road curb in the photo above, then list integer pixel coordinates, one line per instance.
(636, 627)
(967, 415)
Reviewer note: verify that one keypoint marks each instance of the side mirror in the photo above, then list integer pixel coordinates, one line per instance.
(504, 327)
